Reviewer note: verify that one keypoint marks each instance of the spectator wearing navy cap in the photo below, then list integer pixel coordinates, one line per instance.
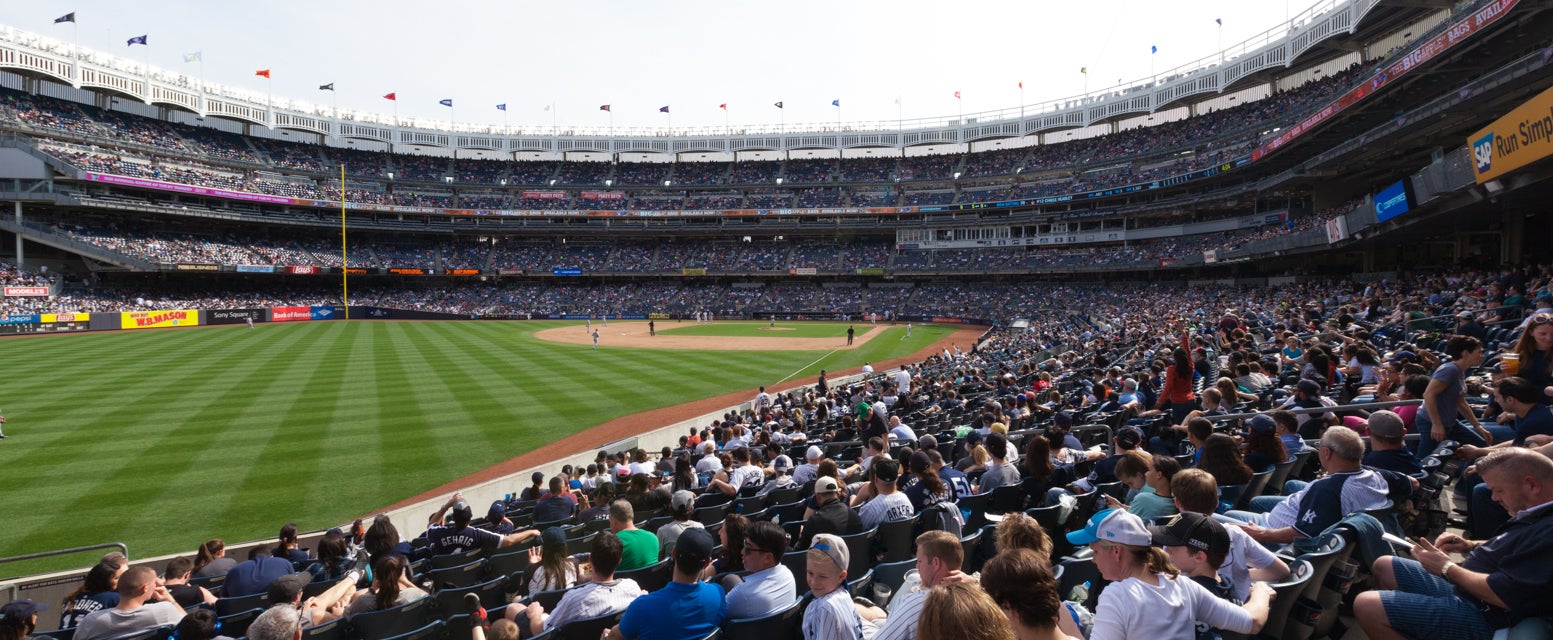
(686, 608)
(496, 518)
(19, 618)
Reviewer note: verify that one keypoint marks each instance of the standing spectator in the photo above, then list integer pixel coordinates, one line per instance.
(1445, 400)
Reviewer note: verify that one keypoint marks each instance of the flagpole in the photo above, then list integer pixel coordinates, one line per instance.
(453, 130)
(345, 296)
(75, 28)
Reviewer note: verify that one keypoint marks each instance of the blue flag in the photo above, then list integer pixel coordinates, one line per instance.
(446, 103)
(69, 17)
(136, 40)
(663, 109)
(1153, 49)
(501, 107)
(835, 103)
(1220, 21)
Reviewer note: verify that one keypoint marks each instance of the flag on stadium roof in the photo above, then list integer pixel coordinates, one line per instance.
(263, 73)
(69, 17)
(1219, 20)
(663, 109)
(957, 95)
(779, 105)
(836, 102)
(723, 106)
(136, 40)
(1084, 70)
(1153, 49)
(501, 107)
(603, 107)
(446, 102)
(391, 96)
(1021, 84)
(197, 56)
(326, 87)
(547, 107)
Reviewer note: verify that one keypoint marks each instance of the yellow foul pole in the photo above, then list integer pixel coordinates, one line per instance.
(344, 257)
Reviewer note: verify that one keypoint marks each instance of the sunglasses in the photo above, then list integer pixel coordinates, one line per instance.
(1541, 318)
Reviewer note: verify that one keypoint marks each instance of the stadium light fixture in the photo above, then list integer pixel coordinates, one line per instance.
(609, 183)
(957, 175)
(779, 181)
(503, 182)
(390, 175)
(668, 182)
(552, 183)
(448, 179)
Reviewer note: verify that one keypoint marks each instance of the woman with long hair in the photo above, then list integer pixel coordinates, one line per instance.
(1147, 597)
(333, 561)
(96, 593)
(1535, 349)
(1445, 400)
(1263, 447)
(1021, 583)
(211, 559)
(731, 558)
(552, 568)
(684, 475)
(1230, 394)
(1221, 459)
(1177, 394)
(1043, 481)
(927, 488)
(390, 588)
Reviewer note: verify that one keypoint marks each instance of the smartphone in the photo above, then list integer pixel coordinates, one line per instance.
(1398, 541)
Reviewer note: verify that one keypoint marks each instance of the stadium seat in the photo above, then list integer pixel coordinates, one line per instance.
(974, 508)
(1007, 499)
(154, 633)
(492, 595)
(862, 586)
(335, 629)
(899, 539)
(1281, 473)
(57, 634)
(797, 562)
(1277, 626)
(507, 564)
(713, 514)
(458, 559)
(785, 625)
(787, 512)
(860, 551)
(575, 546)
(892, 575)
(546, 599)
(1075, 572)
(1253, 488)
(589, 628)
(458, 577)
(433, 630)
(783, 496)
(394, 622)
(747, 505)
(212, 583)
(794, 529)
(229, 606)
(237, 623)
(652, 577)
(653, 525)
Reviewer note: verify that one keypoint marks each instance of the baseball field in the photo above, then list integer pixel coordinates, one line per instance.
(164, 438)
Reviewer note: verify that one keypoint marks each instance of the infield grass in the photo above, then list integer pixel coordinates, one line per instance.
(764, 329)
(162, 439)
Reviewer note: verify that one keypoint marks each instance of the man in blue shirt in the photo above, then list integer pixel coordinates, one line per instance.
(686, 609)
(1386, 448)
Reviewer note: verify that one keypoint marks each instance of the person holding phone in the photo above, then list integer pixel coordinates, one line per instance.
(1499, 582)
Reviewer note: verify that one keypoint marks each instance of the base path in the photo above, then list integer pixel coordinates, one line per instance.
(639, 423)
(633, 334)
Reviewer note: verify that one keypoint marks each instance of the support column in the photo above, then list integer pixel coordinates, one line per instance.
(21, 260)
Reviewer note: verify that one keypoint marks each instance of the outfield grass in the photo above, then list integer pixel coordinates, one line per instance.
(162, 439)
(783, 329)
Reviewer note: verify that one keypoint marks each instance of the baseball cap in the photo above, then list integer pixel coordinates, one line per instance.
(623, 472)
(1193, 530)
(1129, 437)
(683, 500)
(1308, 387)
(782, 464)
(553, 538)
(17, 611)
(886, 470)
(1113, 525)
(1063, 419)
(1387, 424)
(833, 547)
(919, 462)
(1465, 315)
(1404, 356)
(462, 512)
(813, 453)
(928, 441)
(694, 545)
(826, 484)
(497, 511)
(287, 587)
(1262, 423)
(537, 477)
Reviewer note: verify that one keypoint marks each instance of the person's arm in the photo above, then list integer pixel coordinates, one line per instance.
(1265, 565)
(517, 536)
(1277, 536)
(1434, 561)
(1432, 406)
(436, 518)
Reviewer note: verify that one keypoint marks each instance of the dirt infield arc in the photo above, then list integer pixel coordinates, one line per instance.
(627, 426)
(634, 335)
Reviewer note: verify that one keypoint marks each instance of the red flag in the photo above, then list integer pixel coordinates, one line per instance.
(1021, 84)
(391, 96)
(263, 73)
(723, 106)
(957, 95)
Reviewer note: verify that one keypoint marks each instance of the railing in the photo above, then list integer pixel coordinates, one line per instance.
(1365, 406)
(11, 587)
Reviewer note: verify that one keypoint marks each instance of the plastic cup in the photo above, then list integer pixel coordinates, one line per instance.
(1510, 363)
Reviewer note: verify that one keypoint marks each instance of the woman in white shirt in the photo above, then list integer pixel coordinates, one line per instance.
(1146, 597)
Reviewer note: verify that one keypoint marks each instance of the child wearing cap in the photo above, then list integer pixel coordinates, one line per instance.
(831, 615)
(1197, 545)
(1146, 597)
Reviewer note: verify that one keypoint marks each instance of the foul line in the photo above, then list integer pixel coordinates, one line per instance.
(800, 369)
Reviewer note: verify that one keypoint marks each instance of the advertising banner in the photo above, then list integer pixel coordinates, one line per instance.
(1521, 137)
(802, 271)
(21, 319)
(509, 272)
(603, 195)
(1210, 256)
(461, 272)
(304, 270)
(66, 317)
(870, 271)
(158, 319)
(290, 314)
(692, 272)
(545, 195)
(567, 272)
(26, 292)
(233, 316)
(321, 313)
(197, 267)
(1337, 230)
(405, 271)
(255, 268)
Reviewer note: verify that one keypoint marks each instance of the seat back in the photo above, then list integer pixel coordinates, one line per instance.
(492, 594)
(797, 562)
(455, 559)
(1075, 572)
(1254, 488)
(1288, 591)
(154, 633)
(783, 625)
(787, 512)
(898, 537)
(589, 628)
(860, 551)
(1007, 499)
(332, 630)
(507, 564)
(229, 606)
(713, 515)
(433, 630)
(892, 575)
(652, 577)
(237, 623)
(974, 508)
(458, 577)
(410, 617)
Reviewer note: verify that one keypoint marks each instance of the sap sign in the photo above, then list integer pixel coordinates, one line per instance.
(1392, 201)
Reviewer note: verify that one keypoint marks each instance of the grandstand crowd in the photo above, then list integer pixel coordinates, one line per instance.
(105, 141)
(1211, 467)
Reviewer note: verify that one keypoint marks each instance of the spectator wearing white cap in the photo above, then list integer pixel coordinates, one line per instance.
(682, 506)
(810, 469)
(833, 516)
(1147, 596)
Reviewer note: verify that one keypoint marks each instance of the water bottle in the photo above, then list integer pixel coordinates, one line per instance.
(1079, 593)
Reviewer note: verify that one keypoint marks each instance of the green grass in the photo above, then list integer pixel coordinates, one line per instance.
(784, 329)
(162, 439)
